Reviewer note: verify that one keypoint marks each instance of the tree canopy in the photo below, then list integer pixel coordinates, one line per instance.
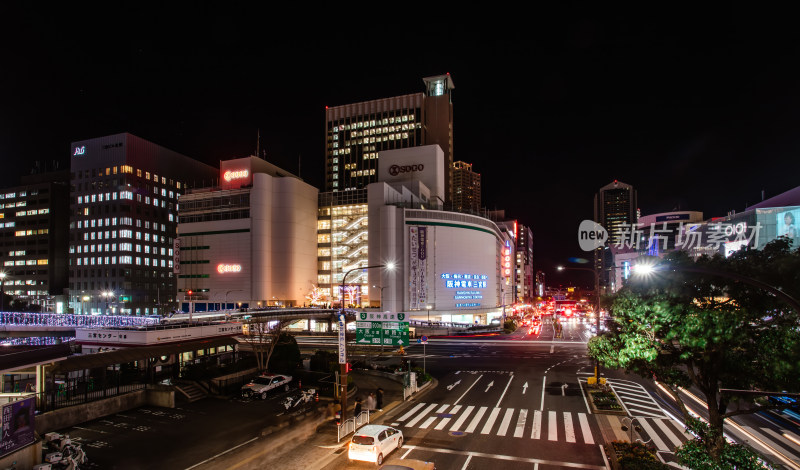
(710, 324)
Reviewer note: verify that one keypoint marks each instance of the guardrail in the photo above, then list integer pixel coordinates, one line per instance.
(350, 425)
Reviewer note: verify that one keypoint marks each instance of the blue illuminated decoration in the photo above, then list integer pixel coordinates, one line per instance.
(626, 269)
(468, 305)
(464, 281)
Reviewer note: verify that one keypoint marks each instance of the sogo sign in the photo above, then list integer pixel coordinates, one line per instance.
(229, 268)
(237, 174)
(395, 170)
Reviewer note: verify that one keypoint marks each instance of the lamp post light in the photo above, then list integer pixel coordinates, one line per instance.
(381, 298)
(342, 323)
(2, 290)
(106, 295)
(597, 310)
(85, 299)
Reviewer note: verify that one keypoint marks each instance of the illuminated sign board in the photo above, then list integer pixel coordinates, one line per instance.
(507, 259)
(229, 268)
(235, 175)
(79, 150)
(464, 281)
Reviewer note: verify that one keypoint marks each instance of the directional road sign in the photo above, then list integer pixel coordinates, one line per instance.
(386, 329)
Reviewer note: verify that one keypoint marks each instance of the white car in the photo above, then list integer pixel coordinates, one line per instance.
(373, 442)
(262, 384)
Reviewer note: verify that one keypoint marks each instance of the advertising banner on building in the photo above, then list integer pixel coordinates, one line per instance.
(418, 266)
(176, 256)
(413, 267)
(16, 427)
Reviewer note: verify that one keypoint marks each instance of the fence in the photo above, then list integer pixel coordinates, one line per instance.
(350, 425)
(74, 392)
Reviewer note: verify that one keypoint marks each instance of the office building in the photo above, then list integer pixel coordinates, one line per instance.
(525, 276)
(615, 208)
(34, 239)
(355, 135)
(466, 188)
(123, 220)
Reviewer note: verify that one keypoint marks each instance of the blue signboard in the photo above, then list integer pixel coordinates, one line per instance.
(16, 427)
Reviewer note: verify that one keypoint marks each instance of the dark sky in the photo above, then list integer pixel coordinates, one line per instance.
(697, 109)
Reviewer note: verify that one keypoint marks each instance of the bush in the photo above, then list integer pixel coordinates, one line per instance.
(636, 456)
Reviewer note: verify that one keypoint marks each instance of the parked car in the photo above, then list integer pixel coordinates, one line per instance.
(264, 383)
(373, 442)
(407, 464)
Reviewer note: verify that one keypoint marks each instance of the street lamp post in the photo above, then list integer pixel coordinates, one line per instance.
(342, 349)
(596, 313)
(381, 288)
(2, 291)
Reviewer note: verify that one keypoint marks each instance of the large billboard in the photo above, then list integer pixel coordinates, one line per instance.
(16, 425)
(452, 268)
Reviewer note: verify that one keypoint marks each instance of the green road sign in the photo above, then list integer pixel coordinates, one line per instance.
(387, 333)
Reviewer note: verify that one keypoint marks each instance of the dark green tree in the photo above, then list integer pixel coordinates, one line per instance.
(710, 324)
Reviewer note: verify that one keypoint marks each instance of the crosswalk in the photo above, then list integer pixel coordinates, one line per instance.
(563, 426)
(636, 400)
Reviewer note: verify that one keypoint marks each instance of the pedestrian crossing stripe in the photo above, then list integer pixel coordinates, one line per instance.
(570, 427)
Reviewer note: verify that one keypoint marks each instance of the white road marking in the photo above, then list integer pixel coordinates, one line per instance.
(652, 433)
(520, 428)
(569, 431)
(411, 412)
(536, 432)
(504, 390)
(421, 415)
(585, 429)
(221, 454)
(470, 388)
(544, 380)
(462, 418)
(476, 419)
(430, 420)
(552, 429)
(506, 421)
(512, 458)
(466, 464)
(444, 421)
(487, 428)
(672, 437)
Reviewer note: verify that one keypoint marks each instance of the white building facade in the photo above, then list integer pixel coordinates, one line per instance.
(250, 242)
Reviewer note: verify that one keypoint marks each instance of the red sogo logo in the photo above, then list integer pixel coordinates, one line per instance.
(229, 268)
(395, 170)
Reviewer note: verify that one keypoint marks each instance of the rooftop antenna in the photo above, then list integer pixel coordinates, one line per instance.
(258, 142)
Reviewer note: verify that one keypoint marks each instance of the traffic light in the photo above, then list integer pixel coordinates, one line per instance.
(348, 368)
(189, 293)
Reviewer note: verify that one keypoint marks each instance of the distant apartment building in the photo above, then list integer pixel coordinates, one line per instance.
(466, 188)
(124, 201)
(525, 277)
(355, 135)
(34, 234)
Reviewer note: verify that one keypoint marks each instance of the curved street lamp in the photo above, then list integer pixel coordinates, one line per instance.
(343, 323)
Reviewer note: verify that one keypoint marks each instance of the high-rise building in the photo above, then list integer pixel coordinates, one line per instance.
(355, 134)
(34, 228)
(123, 222)
(466, 188)
(526, 281)
(616, 209)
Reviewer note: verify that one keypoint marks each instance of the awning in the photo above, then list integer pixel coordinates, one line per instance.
(126, 355)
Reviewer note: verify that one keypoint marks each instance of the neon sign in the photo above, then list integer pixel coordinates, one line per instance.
(237, 174)
(464, 281)
(229, 268)
(79, 150)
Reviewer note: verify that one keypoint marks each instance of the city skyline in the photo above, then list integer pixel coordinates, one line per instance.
(696, 117)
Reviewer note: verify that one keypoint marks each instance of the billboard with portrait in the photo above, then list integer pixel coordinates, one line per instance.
(786, 224)
(16, 425)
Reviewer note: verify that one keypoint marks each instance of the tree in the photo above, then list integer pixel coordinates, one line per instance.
(263, 335)
(710, 331)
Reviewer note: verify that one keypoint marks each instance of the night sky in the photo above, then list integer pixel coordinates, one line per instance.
(697, 109)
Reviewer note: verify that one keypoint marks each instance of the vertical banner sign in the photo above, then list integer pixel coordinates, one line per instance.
(342, 352)
(423, 266)
(413, 271)
(16, 425)
(176, 256)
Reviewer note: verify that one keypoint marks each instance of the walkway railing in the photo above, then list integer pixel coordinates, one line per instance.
(70, 320)
(350, 425)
